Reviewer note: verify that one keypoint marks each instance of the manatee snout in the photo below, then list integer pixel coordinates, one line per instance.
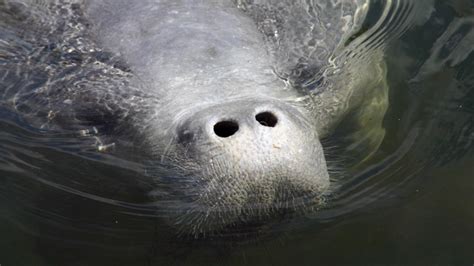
(246, 160)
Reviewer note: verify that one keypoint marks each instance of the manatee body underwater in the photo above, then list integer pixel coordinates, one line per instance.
(227, 102)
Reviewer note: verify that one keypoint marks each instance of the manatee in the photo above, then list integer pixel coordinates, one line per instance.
(227, 100)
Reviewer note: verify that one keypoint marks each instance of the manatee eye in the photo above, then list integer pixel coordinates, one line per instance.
(226, 129)
(185, 136)
(266, 119)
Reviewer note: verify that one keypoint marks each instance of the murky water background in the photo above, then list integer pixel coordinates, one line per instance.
(411, 203)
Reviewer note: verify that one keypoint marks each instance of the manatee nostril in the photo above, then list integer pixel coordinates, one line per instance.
(226, 129)
(266, 119)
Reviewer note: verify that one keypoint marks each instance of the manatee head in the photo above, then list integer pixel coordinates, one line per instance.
(241, 161)
(230, 144)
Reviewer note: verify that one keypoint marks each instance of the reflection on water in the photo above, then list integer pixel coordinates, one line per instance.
(411, 202)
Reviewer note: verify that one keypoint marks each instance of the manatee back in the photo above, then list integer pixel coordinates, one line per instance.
(54, 75)
(202, 49)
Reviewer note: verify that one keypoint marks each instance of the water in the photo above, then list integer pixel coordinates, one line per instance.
(412, 202)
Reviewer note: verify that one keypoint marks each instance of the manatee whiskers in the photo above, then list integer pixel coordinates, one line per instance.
(203, 211)
(199, 223)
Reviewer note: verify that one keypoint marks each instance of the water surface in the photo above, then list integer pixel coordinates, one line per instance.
(412, 202)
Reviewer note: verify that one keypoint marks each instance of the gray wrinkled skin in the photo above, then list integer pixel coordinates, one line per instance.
(171, 71)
